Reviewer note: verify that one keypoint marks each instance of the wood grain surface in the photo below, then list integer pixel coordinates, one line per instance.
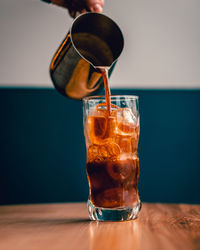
(66, 226)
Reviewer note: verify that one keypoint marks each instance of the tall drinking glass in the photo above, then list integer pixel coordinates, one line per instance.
(112, 157)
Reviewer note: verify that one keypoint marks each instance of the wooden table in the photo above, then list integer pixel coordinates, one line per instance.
(66, 226)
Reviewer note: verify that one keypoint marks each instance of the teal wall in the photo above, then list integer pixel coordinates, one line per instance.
(42, 149)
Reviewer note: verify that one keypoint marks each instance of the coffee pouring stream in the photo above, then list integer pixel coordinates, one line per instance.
(93, 43)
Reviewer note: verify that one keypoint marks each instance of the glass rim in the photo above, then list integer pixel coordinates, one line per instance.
(116, 97)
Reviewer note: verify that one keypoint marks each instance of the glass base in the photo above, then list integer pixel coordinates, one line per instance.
(114, 214)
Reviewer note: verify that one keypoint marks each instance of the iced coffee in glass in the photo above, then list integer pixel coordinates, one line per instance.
(112, 135)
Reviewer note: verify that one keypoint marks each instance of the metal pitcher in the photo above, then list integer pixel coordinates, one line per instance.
(94, 41)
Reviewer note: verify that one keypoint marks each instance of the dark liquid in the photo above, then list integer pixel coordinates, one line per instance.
(104, 73)
(113, 183)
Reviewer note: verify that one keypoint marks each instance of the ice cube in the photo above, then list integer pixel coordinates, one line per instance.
(119, 170)
(103, 107)
(101, 128)
(126, 121)
(109, 150)
(125, 114)
(108, 198)
(96, 126)
(92, 152)
(116, 197)
(134, 145)
(124, 143)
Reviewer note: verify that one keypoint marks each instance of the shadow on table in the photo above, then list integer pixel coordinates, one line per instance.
(48, 221)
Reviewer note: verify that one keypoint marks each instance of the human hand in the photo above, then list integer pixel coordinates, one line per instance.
(80, 6)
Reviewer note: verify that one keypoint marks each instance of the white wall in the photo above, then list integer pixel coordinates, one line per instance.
(162, 42)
